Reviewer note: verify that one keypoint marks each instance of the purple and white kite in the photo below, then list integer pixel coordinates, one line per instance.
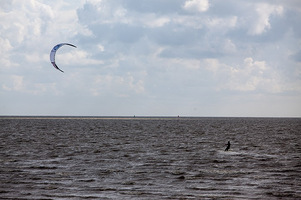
(53, 51)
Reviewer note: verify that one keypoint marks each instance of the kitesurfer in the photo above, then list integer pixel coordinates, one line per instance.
(228, 146)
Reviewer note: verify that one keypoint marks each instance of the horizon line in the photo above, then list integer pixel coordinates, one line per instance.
(130, 117)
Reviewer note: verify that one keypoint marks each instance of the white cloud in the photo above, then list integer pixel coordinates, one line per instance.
(196, 5)
(21, 85)
(222, 22)
(25, 20)
(120, 86)
(154, 21)
(16, 83)
(77, 57)
(178, 63)
(262, 21)
(250, 76)
(5, 50)
(101, 47)
(229, 46)
(137, 86)
(213, 23)
(102, 12)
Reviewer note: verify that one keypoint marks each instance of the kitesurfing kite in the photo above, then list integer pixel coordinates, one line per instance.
(53, 51)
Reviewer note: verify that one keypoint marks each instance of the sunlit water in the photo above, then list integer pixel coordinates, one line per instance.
(150, 158)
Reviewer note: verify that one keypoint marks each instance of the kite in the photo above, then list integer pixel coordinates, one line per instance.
(53, 51)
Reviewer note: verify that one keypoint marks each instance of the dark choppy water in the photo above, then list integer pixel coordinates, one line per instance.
(167, 158)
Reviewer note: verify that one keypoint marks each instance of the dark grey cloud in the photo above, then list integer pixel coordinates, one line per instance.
(154, 6)
(297, 56)
(228, 8)
(175, 35)
(87, 14)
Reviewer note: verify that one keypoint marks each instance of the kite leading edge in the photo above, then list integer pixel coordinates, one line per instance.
(53, 52)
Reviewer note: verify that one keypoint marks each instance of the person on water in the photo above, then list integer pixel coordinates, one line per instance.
(228, 146)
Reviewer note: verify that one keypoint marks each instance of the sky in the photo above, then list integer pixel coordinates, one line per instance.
(207, 58)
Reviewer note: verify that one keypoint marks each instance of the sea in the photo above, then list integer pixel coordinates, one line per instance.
(149, 158)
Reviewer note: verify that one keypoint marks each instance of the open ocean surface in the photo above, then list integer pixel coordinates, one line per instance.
(149, 158)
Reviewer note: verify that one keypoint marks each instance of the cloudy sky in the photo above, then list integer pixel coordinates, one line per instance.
(151, 58)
